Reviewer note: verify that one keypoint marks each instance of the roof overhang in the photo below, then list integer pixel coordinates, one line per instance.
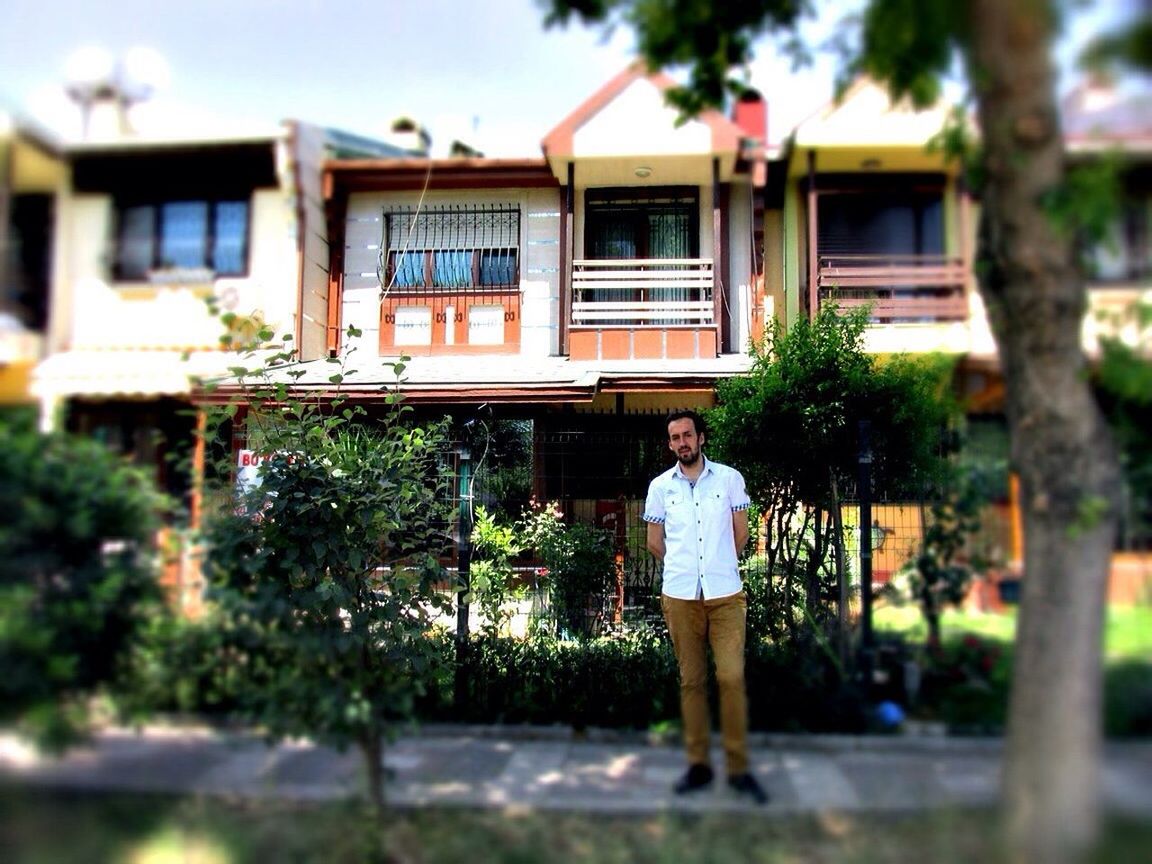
(498, 380)
(133, 373)
(394, 175)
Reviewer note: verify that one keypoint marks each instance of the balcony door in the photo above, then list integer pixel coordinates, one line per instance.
(642, 226)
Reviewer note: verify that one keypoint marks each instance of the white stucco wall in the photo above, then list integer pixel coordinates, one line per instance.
(539, 261)
(93, 312)
(638, 121)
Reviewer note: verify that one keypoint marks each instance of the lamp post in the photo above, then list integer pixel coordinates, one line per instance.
(463, 568)
(865, 528)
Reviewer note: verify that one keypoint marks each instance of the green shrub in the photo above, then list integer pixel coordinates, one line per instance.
(619, 682)
(630, 681)
(77, 574)
(184, 666)
(1128, 699)
(579, 568)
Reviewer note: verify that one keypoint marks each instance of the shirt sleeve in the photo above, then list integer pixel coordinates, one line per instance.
(737, 494)
(654, 505)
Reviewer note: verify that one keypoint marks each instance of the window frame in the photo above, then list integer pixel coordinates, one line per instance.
(635, 206)
(428, 271)
(432, 273)
(209, 243)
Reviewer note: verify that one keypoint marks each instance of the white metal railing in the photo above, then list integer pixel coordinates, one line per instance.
(638, 292)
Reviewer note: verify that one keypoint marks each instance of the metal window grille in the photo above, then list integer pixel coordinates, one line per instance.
(446, 248)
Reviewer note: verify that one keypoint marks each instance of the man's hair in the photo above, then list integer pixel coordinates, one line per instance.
(697, 420)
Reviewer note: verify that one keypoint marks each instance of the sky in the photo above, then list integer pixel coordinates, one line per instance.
(482, 71)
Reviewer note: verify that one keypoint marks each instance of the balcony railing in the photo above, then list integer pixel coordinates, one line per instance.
(897, 287)
(642, 292)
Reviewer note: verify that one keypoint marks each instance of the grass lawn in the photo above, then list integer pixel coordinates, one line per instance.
(1128, 630)
(979, 706)
(46, 827)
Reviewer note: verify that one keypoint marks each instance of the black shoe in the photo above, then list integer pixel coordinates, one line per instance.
(696, 777)
(746, 785)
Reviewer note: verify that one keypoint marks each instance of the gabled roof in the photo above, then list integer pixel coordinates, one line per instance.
(725, 135)
(865, 116)
(1099, 115)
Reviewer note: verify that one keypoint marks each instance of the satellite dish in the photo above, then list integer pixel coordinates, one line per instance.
(90, 72)
(143, 71)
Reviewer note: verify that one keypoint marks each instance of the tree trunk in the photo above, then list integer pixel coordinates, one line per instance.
(932, 621)
(1061, 445)
(372, 748)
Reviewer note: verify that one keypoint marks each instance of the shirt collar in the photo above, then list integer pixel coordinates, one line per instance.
(706, 469)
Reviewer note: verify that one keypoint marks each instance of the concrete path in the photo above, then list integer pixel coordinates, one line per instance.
(537, 768)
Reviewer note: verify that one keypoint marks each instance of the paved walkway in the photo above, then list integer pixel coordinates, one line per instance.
(552, 769)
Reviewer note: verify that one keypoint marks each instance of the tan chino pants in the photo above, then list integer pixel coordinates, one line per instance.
(693, 626)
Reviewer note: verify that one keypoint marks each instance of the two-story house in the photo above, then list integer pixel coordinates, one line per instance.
(1103, 121)
(32, 173)
(862, 212)
(157, 237)
(586, 292)
(589, 291)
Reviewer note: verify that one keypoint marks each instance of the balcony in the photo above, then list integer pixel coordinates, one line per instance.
(899, 288)
(642, 308)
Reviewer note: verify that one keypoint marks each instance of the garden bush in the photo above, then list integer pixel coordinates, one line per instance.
(1128, 699)
(630, 681)
(77, 574)
(626, 681)
(184, 666)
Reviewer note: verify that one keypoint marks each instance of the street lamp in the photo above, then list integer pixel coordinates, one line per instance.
(463, 566)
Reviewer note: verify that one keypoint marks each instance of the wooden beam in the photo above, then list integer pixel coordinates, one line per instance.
(718, 253)
(813, 234)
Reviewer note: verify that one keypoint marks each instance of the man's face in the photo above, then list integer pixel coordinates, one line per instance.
(683, 440)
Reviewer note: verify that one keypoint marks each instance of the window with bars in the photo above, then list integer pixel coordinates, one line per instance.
(211, 235)
(436, 249)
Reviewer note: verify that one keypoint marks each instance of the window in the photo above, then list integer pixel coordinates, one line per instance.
(643, 225)
(888, 222)
(451, 247)
(210, 235)
(640, 223)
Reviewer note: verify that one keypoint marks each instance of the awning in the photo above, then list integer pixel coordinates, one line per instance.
(501, 379)
(109, 373)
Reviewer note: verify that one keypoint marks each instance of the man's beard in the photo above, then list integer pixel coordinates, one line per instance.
(690, 458)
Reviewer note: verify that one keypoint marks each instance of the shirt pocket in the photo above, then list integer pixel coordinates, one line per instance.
(677, 510)
(715, 504)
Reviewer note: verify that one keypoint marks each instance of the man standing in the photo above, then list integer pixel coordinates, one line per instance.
(697, 515)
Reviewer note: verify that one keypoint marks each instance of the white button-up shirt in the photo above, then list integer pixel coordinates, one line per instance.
(699, 545)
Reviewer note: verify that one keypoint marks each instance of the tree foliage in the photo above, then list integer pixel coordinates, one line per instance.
(326, 571)
(77, 574)
(492, 579)
(1125, 379)
(791, 425)
(941, 572)
(579, 568)
(711, 38)
(1033, 288)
